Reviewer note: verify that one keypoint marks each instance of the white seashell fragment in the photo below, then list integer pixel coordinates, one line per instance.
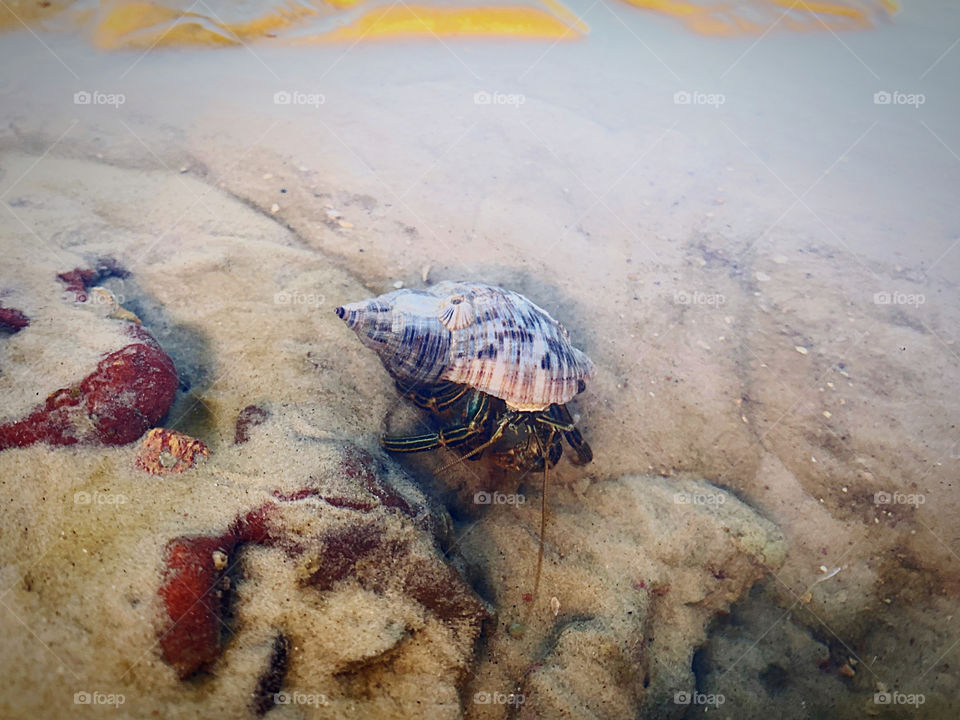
(456, 312)
(474, 334)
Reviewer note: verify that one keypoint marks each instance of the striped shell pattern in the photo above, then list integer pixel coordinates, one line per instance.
(479, 335)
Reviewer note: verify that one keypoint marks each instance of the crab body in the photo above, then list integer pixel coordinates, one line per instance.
(504, 361)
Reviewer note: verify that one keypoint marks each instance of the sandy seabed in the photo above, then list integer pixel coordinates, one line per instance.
(770, 515)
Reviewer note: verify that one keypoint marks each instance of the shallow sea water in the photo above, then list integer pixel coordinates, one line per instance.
(754, 236)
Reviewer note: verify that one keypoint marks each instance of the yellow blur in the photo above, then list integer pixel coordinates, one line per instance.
(140, 24)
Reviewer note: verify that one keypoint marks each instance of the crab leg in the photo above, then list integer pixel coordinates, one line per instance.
(563, 422)
(448, 437)
(436, 398)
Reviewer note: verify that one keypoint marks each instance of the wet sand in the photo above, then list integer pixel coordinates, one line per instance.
(747, 279)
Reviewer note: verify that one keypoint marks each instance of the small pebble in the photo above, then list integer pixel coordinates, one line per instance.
(344, 224)
(555, 605)
(800, 349)
(762, 276)
(267, 176)
(780, 259)
(516, 630)
(184, 169)
(274, 208)
(219, 559)
(425, 273)
(398, 284)
(827, 414)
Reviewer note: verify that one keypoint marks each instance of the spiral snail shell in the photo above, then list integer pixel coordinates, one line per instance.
(483, 336)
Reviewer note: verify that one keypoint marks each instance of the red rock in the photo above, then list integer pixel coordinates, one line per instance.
(12, 320)
(79, 280)
(194, 598)
(442, 591)
(343, 547)
(130, 391)
(195, 601)
(250, 416)
(256, 526)
(167, 451)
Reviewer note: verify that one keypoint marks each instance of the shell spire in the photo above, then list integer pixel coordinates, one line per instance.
(479, 335)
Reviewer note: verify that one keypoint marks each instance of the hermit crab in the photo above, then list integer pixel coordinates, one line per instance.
(489, 357)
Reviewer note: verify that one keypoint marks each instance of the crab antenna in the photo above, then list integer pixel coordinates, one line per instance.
(543, 528)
